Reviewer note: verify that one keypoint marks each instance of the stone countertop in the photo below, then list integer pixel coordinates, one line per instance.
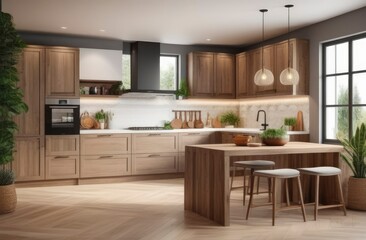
(186, 130)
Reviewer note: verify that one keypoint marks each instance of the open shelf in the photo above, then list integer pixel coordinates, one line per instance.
(103, 88)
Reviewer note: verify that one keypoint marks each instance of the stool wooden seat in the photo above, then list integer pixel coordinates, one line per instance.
(321, 172)
(284, 173)
(252, 165)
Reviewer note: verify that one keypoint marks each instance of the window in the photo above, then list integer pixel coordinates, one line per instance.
(126, 71)
(344, 80)
(169, 72)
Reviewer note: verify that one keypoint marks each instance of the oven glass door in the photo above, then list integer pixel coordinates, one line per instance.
(62, 119)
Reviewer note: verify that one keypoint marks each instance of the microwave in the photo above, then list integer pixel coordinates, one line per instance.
(62, 117)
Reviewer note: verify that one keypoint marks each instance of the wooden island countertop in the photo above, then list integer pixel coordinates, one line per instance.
(207, 172)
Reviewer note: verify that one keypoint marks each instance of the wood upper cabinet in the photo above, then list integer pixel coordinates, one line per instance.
(31, 81)
(255, 59)
(299, 60)
(242, 75)
(62, 72)
(211, 75)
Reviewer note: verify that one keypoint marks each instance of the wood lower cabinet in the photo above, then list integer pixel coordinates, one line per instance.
(211, 75)
(62, 72)
(105, 155)
(154, 163)
(29, 161)
(62, 156)
(154, 143)
(105, 166)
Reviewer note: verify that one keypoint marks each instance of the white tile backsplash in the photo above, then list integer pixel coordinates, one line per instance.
(130, 112)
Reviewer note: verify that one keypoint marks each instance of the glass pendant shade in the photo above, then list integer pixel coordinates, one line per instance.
(263, 77)
(289, 76)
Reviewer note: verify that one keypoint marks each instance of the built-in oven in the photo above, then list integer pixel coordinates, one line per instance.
(62, 116)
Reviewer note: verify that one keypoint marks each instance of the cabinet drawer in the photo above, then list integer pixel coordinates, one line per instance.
(62, 145)
(154, 143)
(154, 163)
(182, 162)
(62, 167)
(105, 144)
(105, 166)
(192, 139)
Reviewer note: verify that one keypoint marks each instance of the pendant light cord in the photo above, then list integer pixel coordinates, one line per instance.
(262, 11)
(288, 34)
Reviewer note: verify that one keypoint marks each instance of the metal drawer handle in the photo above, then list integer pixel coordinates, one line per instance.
(62, 157)
(154, 155)
(105, 135)
(193, 133)
(154, 134)
(105, 157)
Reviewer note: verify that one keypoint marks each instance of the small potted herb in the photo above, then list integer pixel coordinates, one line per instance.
(101, 117)
(289, 122)
(182, 92)
(230, 119)
(275, 136)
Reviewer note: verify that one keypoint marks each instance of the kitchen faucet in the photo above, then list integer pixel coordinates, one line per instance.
(265, 119)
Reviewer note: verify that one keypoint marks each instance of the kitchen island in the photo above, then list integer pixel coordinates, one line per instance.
(207, 172)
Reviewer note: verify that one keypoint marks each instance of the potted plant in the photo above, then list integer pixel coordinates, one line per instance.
(289, 122)
(230, 119)
(11, 104)
(182, 92)
(101, 116)
(355, 158)
(274, 136)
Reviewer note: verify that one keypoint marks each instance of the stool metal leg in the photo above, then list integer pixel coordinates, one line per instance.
(245, 187)
(316, 197)
(341, 194)
(273, 200)
(232, 179)
(301, 198)
(251, 193)
(287, 194)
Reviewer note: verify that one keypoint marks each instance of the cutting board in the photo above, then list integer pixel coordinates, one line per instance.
(299, 126)
(216, 123)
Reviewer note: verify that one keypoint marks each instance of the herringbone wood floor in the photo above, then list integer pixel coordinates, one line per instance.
(152, 210)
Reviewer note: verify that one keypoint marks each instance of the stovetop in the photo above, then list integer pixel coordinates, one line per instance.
(145, 128)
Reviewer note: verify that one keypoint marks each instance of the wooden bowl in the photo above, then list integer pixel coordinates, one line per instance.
(241, 140)
(276, 141)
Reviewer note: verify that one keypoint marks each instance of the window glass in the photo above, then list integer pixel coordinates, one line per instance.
(337, 58)
(359, 88)
(359, 52)
(126, 71)
(336, 122)
(337, 90)
(168, 72)
(358, 117)
(330, 56)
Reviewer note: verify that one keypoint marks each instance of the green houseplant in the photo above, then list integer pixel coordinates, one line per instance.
(289, 122)
(101, 117)
(230, 119)
(11, 104)
(183, 91)
(275, 136)
(355, 157)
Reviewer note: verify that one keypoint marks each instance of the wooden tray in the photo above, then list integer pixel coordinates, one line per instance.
(86, 121)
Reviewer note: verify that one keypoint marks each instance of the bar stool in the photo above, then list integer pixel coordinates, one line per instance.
(252, 165)
(321, 172)
(284, 173)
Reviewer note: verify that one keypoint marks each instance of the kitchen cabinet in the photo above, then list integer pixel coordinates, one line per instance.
(29, 160)
(105, 155)
(105, 89)
(154, 163)
(299, 58)
(255, 59)
(62, 72)
(243, 83)
(29, 156)
(154, 143)
(62, 156)
(211, 75)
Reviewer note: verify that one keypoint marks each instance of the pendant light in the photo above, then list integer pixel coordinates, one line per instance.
(263, 76)
(289, 76)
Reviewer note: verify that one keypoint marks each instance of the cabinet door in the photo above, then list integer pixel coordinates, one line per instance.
(182, 162)
(224, 75)
(105, 144)
(105, 166)
(154, 163)
(281, 51)
(28, 161)
(62, 145)
(256, 64)
(201, 74)
(62, 167)
(154, 143)
(192, 139)
(31, 76)
(242, 78)
(62, 72)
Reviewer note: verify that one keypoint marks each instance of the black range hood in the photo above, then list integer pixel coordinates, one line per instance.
(145, 67)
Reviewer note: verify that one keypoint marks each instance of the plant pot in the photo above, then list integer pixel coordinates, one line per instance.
(357, 193)
(101, 125)
(229, 126)
(276, 141)
(8, 198)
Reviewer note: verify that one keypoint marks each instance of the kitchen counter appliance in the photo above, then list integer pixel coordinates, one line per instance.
(62, 116)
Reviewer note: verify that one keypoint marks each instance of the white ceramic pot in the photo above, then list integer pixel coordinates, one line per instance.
(101, 125)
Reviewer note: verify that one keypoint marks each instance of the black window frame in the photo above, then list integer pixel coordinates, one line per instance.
(177, 57)
(350, 74)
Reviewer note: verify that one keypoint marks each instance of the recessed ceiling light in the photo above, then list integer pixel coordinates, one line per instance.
(63, 27)
(101, 30)
(208, 39)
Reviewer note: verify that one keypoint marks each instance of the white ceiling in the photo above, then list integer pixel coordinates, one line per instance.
(225, 22)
